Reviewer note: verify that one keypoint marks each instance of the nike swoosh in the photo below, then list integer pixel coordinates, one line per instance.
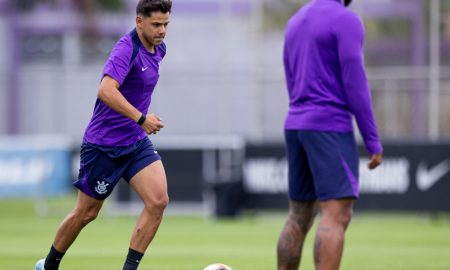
(144, 68)
(426, 178)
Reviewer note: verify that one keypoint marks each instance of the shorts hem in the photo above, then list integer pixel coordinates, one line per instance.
(347, 196)
(88, 194)
(141, 167)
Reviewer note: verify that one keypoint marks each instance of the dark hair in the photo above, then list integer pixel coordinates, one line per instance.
(347, 2)
(146, 7)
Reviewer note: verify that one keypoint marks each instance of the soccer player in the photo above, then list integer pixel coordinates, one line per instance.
(327, 86)
(115, 142)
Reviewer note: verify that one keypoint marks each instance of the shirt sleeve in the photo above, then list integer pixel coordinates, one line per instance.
(350, 40)
(118, 64)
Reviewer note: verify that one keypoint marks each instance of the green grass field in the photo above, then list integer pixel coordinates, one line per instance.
(374, 241)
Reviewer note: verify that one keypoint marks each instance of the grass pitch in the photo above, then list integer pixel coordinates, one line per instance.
(374, 241)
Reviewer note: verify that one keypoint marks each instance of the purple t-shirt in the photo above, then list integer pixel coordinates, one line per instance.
(137, 78)
(326, 81)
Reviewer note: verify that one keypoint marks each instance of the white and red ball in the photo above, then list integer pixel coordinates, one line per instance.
(218, 266)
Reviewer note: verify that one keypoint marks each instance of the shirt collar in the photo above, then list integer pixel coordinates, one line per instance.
(340, 1)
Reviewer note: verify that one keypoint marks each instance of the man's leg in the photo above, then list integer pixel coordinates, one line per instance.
(300, 218)
(329, 242)
(86, 210)
(151, 186)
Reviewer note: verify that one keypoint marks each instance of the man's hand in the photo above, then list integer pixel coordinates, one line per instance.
(152, 124)
(375, 160)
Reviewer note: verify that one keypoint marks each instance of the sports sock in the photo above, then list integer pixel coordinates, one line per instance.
(53, 259)
(133, 259)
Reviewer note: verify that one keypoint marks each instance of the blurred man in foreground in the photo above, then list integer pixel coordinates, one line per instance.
(327, 86)
(116, 144)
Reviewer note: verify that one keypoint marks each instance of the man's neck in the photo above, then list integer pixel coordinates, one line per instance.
(148, 46)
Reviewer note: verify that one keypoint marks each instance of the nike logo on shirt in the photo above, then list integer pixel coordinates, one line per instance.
(144, 68)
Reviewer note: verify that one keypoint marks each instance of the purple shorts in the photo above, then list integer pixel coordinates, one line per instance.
(322, 165)
(102, 167)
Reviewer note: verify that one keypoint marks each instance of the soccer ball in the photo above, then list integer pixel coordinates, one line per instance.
(218, 266)
(39, 265)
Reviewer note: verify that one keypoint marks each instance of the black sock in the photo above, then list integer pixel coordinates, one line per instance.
(53, 259)
(133, 259)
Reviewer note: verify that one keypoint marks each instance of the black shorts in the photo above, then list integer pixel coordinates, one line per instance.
(102, 167)
(322, 165)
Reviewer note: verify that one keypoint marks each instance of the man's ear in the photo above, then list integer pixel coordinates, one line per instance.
(138, 21)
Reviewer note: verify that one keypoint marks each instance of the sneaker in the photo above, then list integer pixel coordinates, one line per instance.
(40, 265)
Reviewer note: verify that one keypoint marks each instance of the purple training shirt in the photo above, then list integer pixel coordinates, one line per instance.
(326, 81)
(137, 79)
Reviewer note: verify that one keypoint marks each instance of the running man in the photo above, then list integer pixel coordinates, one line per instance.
(327, 86)
(116, 144)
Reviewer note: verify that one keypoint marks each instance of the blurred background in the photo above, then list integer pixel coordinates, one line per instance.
(223, 73)
(223, 99)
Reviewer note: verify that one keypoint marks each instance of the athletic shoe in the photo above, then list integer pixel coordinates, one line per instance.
(40, 265)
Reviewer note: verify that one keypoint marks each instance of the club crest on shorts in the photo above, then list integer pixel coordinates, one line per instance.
(101, 187)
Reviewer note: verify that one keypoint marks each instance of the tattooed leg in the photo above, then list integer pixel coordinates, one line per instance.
(329, 242)
(290, 244)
